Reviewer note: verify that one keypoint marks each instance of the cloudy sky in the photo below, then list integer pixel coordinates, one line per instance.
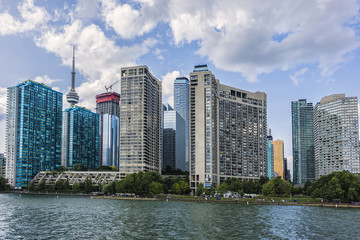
(288, 49)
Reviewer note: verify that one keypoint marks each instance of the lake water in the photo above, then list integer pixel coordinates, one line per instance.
(67, 217)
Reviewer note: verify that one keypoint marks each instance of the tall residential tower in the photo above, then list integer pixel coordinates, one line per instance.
(33, 131)
(140, 121)
(336, 134)
(227, 131)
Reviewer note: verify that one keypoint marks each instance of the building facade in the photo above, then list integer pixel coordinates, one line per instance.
(303, 141)
(174, 153)
(227, 131)
(108, 107)
(270, 156)
(336, 135)
(33, 131)
(140, 121)
(181, 105)
(80, 138)
(278, 153)
(2, 164)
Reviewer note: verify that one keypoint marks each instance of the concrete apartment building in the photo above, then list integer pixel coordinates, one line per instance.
(140, 121)
(227, 131)
(336, 135)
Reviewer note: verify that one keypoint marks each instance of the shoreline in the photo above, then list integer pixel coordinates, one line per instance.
(333, 205)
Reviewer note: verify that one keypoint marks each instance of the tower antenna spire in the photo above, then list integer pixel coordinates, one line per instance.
(72, 97)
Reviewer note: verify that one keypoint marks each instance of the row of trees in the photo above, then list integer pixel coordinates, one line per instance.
(148, 183)
(342, 186)
(274, 187)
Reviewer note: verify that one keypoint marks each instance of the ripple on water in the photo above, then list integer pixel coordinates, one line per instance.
(71, 217)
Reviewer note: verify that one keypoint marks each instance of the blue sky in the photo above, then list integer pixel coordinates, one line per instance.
(288, 49)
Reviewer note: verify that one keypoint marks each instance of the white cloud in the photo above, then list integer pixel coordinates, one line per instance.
(98, 58)
(168, 87)
(46, 80)
(158, 53)
(129, 21)
(3, 92)
(259, 37)
(33, 17)
(87, 8)
(295, 78)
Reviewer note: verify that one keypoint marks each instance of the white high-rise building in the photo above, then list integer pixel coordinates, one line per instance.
(336, 135)
(140, 121)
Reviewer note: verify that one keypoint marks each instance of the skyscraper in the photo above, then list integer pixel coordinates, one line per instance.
(33, 131)
(270, 156)
(181, 105)
(80, 132)
(107, 105)
(303, 141)
(278, 153)
(227, 131)
(140, 121)
(173, 140)
(336, 134)
(2, 165)
(81, 139)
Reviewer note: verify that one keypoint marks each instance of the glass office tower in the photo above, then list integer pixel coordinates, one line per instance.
(33, 131)
(181, 105)
(336, 134)
(81, 139)
(107, 105)
(173, 140)
(303, 141)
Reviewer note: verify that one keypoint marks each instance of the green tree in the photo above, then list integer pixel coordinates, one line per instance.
(234, 185)
(222, 188)
(88, 185)
(155, 188)
(251, 186)
(277, 186)
(337, 185)
(41, 187)
(4, 184)
(200, 189)
(184, 187)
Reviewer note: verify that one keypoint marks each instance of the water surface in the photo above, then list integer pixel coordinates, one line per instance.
(72, 217)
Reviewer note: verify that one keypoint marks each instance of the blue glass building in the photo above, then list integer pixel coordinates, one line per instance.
(181, 105)
(303, 141)
(173, 140)
(81, 139)
(33, 131)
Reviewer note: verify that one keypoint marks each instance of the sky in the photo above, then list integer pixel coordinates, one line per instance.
(291, 49)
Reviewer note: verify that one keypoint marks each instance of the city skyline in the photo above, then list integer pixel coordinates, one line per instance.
(297, 58)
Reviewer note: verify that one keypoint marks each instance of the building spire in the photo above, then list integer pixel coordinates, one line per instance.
(72, 97)
(73, 71)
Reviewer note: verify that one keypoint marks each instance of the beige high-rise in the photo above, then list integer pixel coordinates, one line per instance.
(278, 151)
(227, 131)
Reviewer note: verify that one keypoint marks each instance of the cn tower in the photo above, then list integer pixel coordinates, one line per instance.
(72, 97)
